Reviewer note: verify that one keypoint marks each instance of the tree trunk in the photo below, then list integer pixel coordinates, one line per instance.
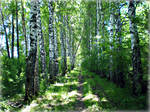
(12, 44)
(98, 16)
(17, 30)
(55, 48)
(24, 28)
(69, 42)
(41, 43)
(119, 65)
(136, 56)
(51, 40)
(31, 60)
(63, 48)
(7, 44)
(111, 40)
(71, 49)
(90, 35)
(36, 69)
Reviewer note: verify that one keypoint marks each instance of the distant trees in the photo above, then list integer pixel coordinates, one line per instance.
(112, 56)
(24, 28)
(6, 36)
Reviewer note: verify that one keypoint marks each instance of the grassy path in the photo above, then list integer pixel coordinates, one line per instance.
(82, 91)
(69, 93)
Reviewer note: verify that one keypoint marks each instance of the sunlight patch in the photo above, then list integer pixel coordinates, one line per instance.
(104, 99)
(73, 93)
(28, 108)
(90, 96)
(59, 84)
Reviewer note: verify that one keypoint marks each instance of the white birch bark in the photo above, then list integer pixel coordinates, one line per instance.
(51, 39)
(63, 47)
(55, 48)
(31, 60)
(41, 43)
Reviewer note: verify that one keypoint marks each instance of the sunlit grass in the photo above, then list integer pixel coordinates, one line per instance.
(64, 95)
(121, 97)
(91, 97)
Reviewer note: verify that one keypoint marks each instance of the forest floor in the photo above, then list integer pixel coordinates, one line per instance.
(84, 92)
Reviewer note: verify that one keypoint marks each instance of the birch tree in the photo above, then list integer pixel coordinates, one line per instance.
(17, 30)
(41, 42)
(55, 47)
(12, 44)
(111, 38)
(51, 39)
(63, 47)
(30, 87)
(136, 55)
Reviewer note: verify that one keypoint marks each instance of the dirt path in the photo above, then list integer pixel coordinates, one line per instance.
(80, 104)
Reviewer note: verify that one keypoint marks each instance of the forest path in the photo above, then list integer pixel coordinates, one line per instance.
(82, 91)
(72, 92)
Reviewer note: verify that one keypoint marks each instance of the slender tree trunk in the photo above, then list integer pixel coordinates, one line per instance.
(7, 45)
(36, 69)
(63, 49)
(24, 28)
(136, 56)
(69, 44)
(67, 37)
(51, 40)
(31, 60)
(71, 49)
(41, 43)
(17, 30)
(97, 17)
(56, 48)
(12, 44)
(119, 65)
(111, 40)
(90, 36)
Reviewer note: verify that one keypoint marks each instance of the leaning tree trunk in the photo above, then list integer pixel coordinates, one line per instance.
(31, 60)
(12, 43)
(24, 28)
(136, 57)
(6, 37)
(41, 43)
(17, 30)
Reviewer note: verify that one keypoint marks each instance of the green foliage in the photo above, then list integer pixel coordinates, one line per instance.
(122, 98)
(12, 77)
